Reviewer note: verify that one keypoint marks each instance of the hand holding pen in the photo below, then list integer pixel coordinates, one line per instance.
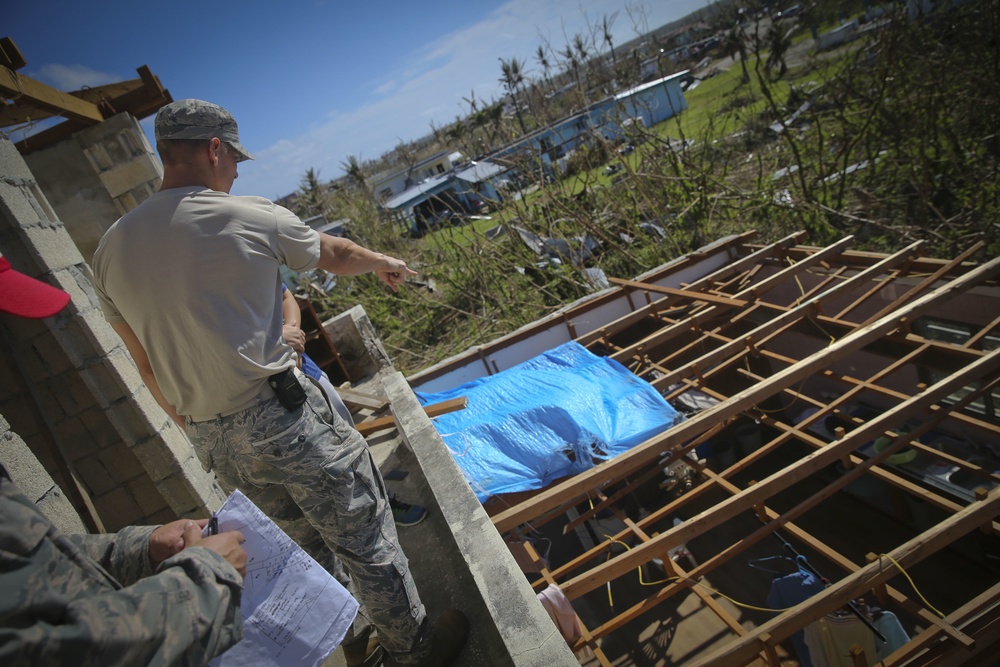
(172, 538)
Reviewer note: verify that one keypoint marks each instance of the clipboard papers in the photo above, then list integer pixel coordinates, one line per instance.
(294, 611)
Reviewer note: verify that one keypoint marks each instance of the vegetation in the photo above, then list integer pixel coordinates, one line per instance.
(891, 137)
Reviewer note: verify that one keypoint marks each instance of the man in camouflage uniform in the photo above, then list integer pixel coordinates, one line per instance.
(190, 280)
(145, 596)
(130, 598)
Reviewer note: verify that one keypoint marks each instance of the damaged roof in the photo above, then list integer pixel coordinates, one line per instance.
(843, 412)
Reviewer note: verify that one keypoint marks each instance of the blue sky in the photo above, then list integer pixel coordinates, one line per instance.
(312, 81)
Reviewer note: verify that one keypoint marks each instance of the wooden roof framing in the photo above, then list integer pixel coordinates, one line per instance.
(755, 335)
(27, 100)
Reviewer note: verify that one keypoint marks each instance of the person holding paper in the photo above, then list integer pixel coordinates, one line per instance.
(146, 595)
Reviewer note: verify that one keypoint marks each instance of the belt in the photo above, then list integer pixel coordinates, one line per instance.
(264, 393)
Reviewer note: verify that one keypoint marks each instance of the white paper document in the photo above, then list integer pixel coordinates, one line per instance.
(294, 611)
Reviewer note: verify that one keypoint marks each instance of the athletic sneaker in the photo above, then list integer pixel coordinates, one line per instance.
(406, 514)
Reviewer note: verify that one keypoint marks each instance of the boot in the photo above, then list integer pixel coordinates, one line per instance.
(364, 652)
(447, 639)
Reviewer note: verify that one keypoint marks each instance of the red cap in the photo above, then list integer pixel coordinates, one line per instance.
(27, 297)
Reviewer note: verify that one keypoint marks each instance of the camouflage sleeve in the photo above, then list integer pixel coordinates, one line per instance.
(184, 615)
(125, 554)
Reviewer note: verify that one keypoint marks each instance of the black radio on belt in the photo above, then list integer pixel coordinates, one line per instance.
(287, 388)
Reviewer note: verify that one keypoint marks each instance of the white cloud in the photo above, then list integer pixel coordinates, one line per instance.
(73, 77)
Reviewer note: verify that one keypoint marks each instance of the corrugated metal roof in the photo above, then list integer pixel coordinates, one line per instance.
(416, 192)
(638, 89)
(480, 171)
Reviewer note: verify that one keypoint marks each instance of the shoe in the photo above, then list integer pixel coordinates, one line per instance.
(406, 514)
(361, 653)
(447, 639)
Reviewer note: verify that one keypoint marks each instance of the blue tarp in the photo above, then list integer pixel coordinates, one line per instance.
(555, 415)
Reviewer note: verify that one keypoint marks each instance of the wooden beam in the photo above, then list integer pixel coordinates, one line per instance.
(744, 649)
(357, 399)
(928, 281)
(781, 480)
(688, 294)
(641, 455)
(370, 426)
(781, 322)
(10, 55)
(38, 94)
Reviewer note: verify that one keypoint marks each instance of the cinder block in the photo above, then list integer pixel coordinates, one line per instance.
(165, 515)
(54, 245)
(106, 382)
(20, 209)
(178, 493)
(156, 458)
(121, 463)
(138, 418)
(52, 357)
(101, 431)
(72, 393)
(13, 164)
(87, 337)
(95, 478)
(204, 483)
(76, 439)
(22, 329)
(148, 496)
(49, 403)
(118, 509)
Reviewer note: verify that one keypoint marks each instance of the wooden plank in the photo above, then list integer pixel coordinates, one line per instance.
(783, 479)
(958, 618)
(928, 281)
(750, 260)
(36, 93)
(358, 399)
(783, 321)
(642, 454)
(688, 294)
(744, 649)
(781, 276)
(752, 292)
(578, 312)
(370, 426)
(11, 56)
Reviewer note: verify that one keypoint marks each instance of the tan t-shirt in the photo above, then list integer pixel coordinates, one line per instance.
(194, 273)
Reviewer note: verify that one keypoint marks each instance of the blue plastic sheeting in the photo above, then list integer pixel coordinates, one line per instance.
(555, 415)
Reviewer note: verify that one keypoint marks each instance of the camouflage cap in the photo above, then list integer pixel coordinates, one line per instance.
(195, 119)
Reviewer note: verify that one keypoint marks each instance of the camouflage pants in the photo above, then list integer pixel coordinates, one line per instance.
(314, 476)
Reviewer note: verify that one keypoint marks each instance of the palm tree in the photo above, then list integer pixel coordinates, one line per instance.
(312, 198)
(543, 60)
(572, 64)
(355, 172)
(512, 78)
(582, 50)
(606, 25)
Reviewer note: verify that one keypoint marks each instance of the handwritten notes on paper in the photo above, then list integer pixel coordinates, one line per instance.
(294, 611)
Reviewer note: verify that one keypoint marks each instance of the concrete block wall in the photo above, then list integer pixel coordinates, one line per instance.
(35, 483)
(70, 389)
(96, 176)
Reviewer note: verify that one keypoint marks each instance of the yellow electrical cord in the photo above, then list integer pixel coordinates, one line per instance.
(736, 602)
(693, 581)
(915, 589)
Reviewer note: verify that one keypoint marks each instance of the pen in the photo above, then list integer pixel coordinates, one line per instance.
(213, 525)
